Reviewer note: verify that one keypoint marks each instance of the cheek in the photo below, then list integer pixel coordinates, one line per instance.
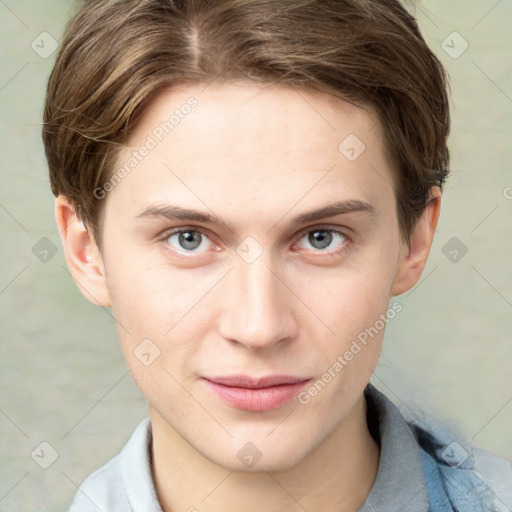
(349, 299)
(154, 309)
(153, 298)
(352, 301)
(161, 311)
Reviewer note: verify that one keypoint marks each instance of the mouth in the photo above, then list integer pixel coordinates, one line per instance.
(256, 394)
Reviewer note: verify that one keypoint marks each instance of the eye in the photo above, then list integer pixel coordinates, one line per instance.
(324, 240)
(189, 240)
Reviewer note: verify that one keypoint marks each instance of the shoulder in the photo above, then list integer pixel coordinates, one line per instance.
(460, 473)
(124, 483)
(102, 490)
(457, 474)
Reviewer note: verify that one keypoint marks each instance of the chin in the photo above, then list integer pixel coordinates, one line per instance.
(258, 456)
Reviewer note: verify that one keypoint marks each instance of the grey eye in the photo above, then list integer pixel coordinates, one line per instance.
(322, 238)
(188, 240)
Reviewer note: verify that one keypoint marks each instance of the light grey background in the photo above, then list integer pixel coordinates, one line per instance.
(63, 378)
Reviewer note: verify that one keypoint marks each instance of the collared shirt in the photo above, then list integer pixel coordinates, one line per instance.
(411, 476)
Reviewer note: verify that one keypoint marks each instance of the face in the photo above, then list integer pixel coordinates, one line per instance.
(217, 265)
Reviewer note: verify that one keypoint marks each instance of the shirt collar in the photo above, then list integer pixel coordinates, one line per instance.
(400, 483)
(135, 464)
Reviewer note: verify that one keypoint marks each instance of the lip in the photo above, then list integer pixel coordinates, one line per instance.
(256, 394)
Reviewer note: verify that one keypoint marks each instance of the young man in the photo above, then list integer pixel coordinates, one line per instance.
(247, 184)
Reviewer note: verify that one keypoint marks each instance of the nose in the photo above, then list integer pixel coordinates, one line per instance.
(258, 308)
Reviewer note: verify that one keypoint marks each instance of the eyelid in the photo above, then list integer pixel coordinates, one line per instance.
(325, 227)
(172, 231)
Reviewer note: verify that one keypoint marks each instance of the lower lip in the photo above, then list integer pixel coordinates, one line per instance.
(258, 400)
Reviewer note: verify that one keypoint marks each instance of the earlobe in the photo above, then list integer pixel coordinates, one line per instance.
(82, 255)
(414, 256)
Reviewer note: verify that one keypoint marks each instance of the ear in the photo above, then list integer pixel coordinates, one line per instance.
(413, 256)
(82, 255)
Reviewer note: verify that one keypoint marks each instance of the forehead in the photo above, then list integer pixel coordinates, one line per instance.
(253, 141)
(254, 114)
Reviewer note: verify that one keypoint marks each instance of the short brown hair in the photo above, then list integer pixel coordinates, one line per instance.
(117, 54)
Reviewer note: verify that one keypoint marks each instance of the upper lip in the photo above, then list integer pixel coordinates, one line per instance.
(243, 381)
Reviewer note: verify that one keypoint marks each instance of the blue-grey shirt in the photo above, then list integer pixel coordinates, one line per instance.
(419, 471)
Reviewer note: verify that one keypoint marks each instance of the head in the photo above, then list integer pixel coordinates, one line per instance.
(189, 143)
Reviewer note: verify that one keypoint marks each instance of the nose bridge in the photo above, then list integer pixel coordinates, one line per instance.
(257, 311)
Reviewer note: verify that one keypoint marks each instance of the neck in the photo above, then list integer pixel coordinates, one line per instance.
(335, 477)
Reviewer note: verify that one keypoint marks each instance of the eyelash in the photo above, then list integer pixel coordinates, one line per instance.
(346, 242)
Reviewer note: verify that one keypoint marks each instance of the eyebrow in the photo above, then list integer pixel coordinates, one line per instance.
(339, 208)
(179, 213)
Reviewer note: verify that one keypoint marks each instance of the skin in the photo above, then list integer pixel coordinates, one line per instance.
(255, 156)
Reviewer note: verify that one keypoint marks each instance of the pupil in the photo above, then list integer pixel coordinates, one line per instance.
(320, 239)
(190, 239)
